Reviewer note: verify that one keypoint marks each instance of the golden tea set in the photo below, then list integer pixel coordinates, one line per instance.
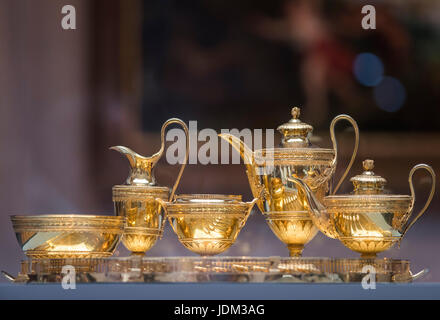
(292, 186)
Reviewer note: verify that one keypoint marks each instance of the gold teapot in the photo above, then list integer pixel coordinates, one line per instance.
(268, 171)
(368, 220)
(136, 199)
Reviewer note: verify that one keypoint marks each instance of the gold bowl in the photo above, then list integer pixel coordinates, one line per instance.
(295, 229)
(207, 224)
(68, 236)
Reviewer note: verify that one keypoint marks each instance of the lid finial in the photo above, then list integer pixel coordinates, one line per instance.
(296, 112)
(368, 164)
(368, 182)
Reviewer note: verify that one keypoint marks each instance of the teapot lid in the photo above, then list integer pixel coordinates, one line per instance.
(295, 132)
(368, 182)
(295, 147)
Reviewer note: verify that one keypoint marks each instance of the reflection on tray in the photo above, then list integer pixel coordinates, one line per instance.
(219, 269)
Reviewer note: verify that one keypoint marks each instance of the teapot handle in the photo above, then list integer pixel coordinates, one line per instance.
(185, 128)
(413, 195)
(335, 145)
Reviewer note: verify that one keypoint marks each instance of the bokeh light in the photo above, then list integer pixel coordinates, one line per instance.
(390, 94)
(368, 69)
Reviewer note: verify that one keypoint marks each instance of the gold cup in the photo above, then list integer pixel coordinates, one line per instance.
(136, 200)
(68, 236)
(207, 224)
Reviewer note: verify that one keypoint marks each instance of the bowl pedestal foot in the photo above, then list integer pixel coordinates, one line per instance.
(137, 254)
(368, 255)
(295, 250)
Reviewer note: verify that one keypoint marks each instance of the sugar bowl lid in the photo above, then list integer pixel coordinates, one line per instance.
(368, 195)
(368, 182)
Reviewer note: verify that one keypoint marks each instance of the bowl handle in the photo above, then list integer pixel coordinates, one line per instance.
(335, 146)
(251, 205)
(8, 276)
(413, 194)
(409, 278)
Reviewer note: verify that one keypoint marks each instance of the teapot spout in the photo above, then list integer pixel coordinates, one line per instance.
(321, 218)
(245, 152)
(249, 160)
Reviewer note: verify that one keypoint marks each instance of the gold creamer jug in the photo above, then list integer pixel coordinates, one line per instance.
(135, 200)
(269, 170)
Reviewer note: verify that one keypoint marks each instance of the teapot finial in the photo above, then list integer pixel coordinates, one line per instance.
(368, 164)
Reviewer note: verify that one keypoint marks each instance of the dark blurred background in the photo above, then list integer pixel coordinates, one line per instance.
(67, 95)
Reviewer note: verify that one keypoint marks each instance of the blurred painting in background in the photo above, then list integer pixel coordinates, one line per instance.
(66, 96)
(227, 64)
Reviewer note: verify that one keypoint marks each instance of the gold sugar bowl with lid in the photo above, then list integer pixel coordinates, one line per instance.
(269, 170)
(136, 199)
(368, 220)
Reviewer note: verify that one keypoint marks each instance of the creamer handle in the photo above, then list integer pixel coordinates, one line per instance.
(185, 128)
(413, 194)
(335, 145)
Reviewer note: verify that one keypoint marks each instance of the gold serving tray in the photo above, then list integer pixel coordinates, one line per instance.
(218, 269)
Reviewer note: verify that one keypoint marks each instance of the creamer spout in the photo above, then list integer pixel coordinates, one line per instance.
(140, 167)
